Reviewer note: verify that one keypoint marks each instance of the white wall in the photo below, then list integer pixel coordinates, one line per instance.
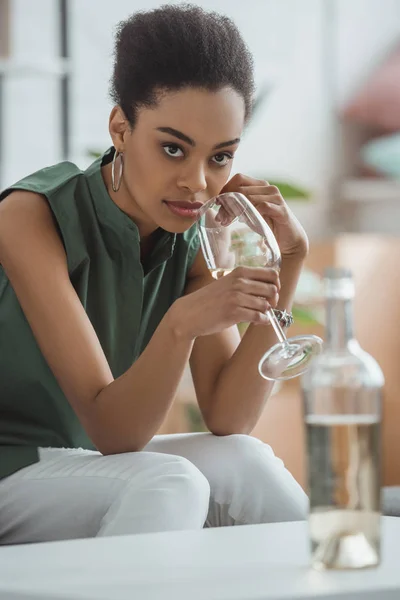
(313, 53)
(366, 33)
(282, 34)
(30, 120)
(366, 30)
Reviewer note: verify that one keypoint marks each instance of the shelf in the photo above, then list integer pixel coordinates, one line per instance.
(370, 190)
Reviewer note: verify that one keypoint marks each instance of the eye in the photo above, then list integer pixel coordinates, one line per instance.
(222, 159)
(173, 150)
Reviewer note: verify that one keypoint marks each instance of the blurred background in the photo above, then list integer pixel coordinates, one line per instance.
(326, 129)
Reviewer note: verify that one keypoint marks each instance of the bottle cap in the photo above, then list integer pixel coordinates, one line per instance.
(338, 283)
(337, 273)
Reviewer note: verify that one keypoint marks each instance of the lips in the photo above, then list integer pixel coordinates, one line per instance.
(182, 208)
(184, 204)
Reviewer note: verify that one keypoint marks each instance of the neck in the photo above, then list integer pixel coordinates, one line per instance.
(339, 324)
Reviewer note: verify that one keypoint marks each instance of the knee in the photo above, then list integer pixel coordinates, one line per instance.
(251, 467)
(244, 444)
(193, 485)
(168, 491)
(185, 495)
(242, 449)
(243, 457)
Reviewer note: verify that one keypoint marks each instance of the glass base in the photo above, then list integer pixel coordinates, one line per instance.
(344, 538)
(290, 359)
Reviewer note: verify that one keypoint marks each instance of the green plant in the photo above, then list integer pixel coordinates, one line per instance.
(290, 191)
(93, 153)
(194, 418)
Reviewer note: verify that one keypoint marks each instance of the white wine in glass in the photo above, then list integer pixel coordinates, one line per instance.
(233, 234)
(218, 273)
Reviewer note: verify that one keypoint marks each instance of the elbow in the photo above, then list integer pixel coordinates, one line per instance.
(119, 446)
(224, 431)
(110, 449)
(110, 433)
(113, 440)
(223, 427)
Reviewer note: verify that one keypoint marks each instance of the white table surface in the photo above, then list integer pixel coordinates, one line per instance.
(235, 563)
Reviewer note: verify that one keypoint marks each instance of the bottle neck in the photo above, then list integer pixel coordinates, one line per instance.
(339, 323)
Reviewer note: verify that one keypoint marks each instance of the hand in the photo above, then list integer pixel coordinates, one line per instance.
(245, 295)
(267, 199)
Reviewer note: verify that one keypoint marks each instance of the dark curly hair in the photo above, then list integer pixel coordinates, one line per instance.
(173, 47)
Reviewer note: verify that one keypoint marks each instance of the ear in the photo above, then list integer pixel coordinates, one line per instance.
(118, 127)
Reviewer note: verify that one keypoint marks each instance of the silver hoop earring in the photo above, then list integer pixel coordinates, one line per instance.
(117, 184)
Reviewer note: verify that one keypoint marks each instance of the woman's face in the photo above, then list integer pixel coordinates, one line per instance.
(178, 156)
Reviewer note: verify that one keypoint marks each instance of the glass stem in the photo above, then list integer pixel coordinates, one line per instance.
(280, 334)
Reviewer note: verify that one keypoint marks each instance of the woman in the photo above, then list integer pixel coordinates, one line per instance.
(105, 296)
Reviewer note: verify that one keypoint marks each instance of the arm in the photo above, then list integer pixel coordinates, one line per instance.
(229, 389)
(119, 415)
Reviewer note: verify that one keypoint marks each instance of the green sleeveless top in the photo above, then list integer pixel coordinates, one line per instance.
(124, 299)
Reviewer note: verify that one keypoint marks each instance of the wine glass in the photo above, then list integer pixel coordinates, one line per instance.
(232, 234)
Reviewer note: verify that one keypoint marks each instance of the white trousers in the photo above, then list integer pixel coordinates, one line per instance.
(184, 481)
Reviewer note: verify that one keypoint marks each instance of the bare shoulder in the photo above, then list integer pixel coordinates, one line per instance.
(22, 214)
(34, 259)
(21, 200)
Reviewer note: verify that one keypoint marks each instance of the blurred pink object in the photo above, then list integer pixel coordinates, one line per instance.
(378, 102)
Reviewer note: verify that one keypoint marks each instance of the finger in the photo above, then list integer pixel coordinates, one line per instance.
(254, 316)
(259, 288)
(263, 274)
(229, 209)
(277, 212)
(268, 296)
(253, 302)
(264, 190)
(275, 199)
(240, 180)
(222, 216)
(270, 291)
(211, 219)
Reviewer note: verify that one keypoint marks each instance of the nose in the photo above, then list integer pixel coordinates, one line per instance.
(193, 178)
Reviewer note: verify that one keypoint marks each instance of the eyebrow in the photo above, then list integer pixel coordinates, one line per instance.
(188, 140)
